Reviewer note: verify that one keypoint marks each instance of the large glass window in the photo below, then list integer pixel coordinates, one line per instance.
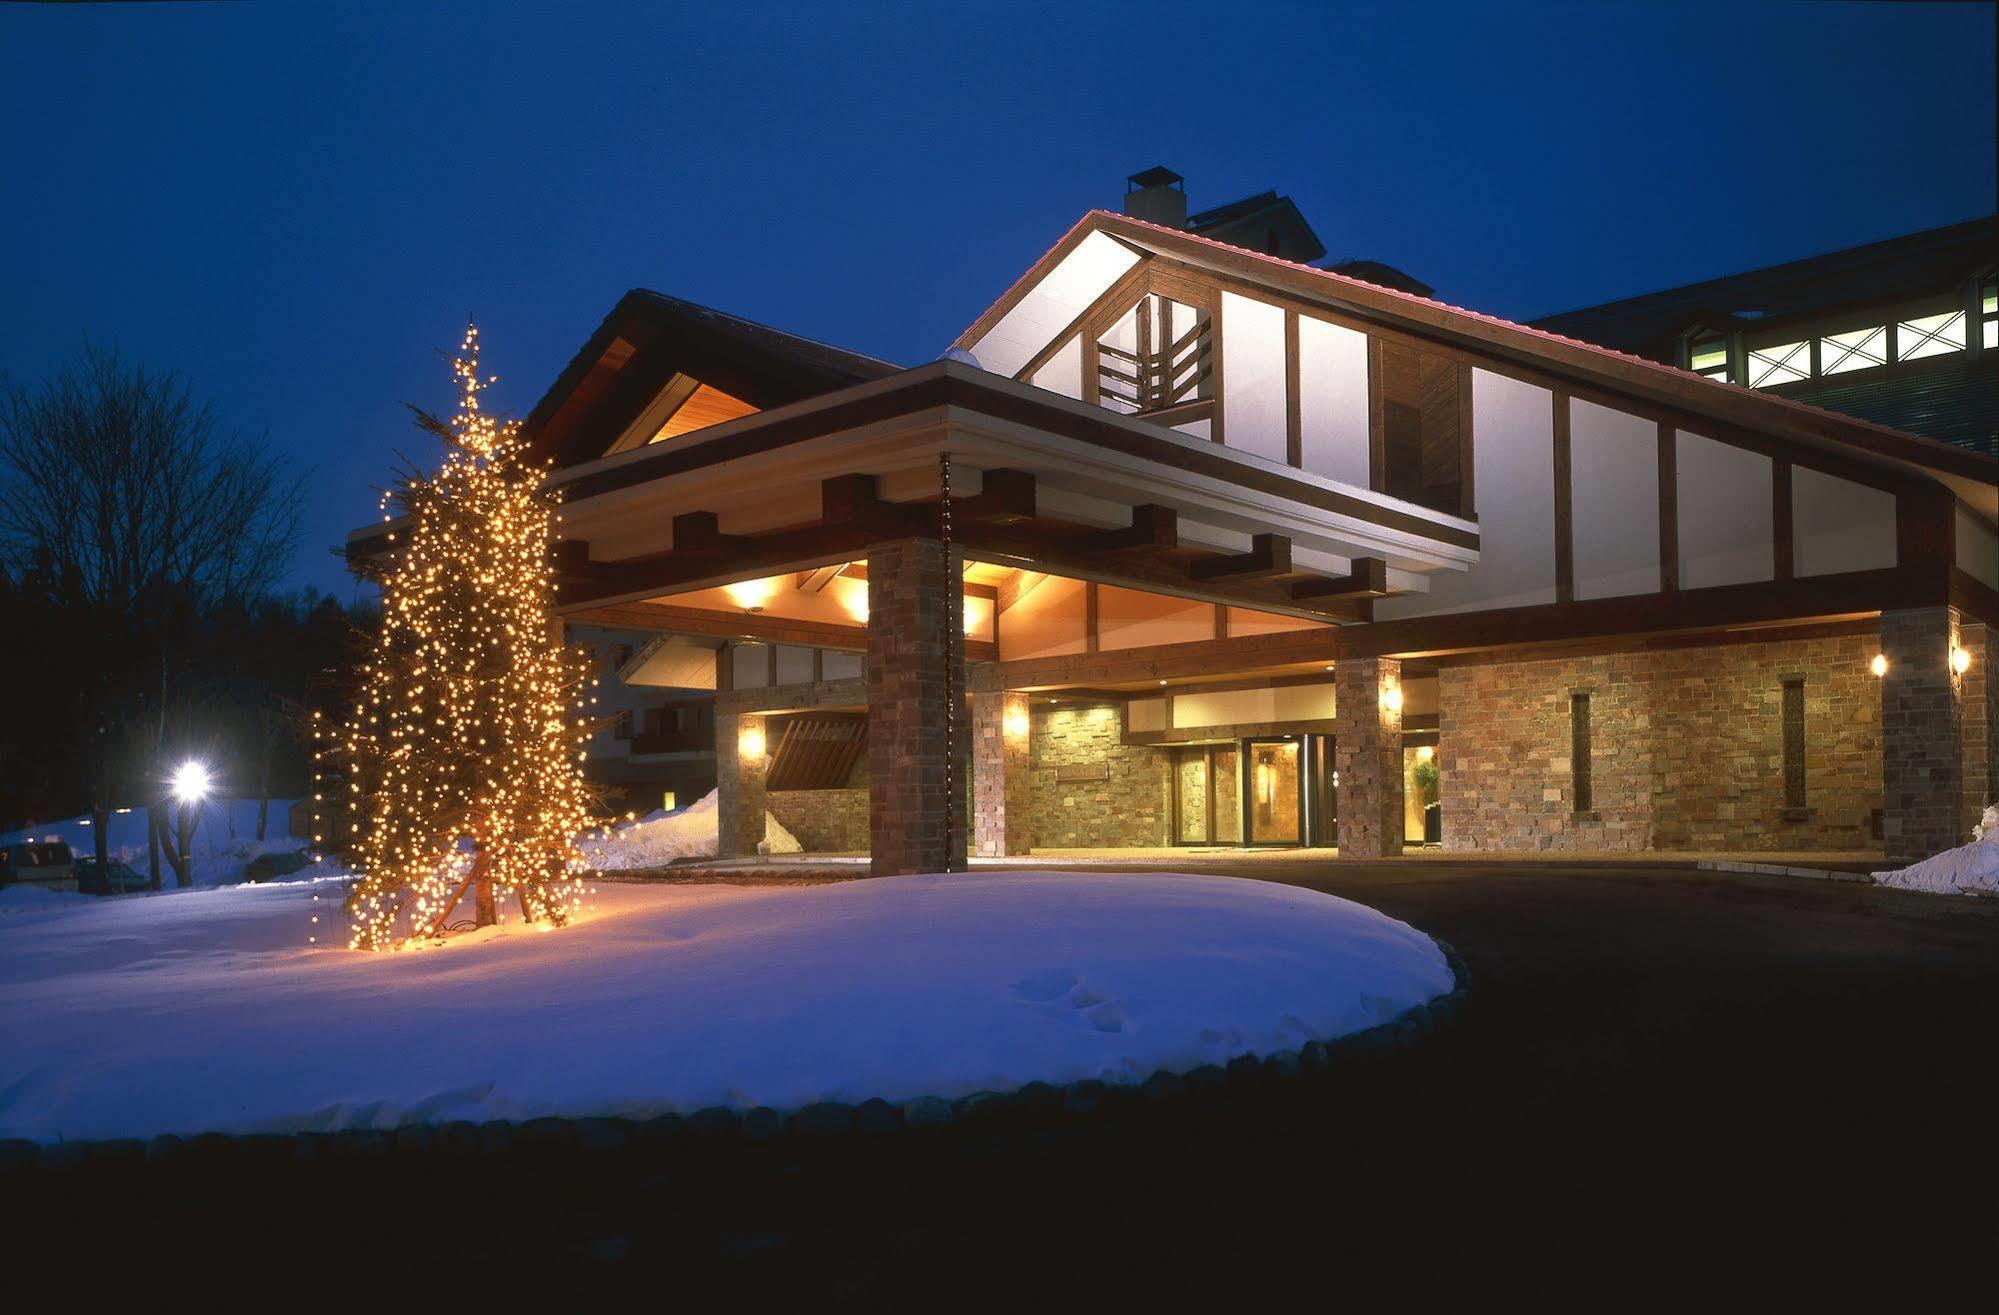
(1858, 350)
(1929, 335)
(1708, 356)
(1780, 364)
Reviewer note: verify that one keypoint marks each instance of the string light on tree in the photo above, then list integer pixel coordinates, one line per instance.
(463, 749)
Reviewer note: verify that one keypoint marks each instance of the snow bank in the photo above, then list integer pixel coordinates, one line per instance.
(225, 838)
(660, 838)
(1971, 869)
(210, 1011)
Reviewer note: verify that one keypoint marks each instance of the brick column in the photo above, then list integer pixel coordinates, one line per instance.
(916, 687)
(1922, 734)
(1980, 693)
(741, 760)
(1367, 751)
(999, 773)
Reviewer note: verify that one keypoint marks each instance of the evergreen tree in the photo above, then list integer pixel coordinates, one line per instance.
(464, 748)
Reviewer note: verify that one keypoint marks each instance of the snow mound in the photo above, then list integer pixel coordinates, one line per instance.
(129, 1018)
(660, 838)
(1971, 869)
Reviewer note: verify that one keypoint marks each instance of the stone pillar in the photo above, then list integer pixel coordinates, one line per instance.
(1980, 693)
(1367, 752)
(742, 759)
(1922, 734)
(916, 688)
(1000, 725)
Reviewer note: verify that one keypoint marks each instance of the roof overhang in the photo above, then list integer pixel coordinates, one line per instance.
(1973, 477)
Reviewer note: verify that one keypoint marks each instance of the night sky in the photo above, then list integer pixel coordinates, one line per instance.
(296, 205)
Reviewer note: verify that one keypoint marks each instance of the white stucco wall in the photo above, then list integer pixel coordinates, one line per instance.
(1725, 514)
(1614, 501)
(1253, 397)
(1332, 400)
(1513, 462)
(1838, 525)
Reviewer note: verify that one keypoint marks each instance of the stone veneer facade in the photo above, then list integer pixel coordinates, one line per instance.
(919, 758)
(1686, 749)
(1087, 789)
(824, 821)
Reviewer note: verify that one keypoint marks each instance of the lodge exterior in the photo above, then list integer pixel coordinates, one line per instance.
(1188, 543)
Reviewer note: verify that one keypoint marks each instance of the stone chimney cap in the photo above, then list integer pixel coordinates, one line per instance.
(1157, 176)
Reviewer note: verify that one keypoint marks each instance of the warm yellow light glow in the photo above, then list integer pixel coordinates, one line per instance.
(751, 595)
(666, 801)
(1960, 660)
(1016, 721)
(1425, 752)
(750, 742)
(1879, 666)
(1391, 698)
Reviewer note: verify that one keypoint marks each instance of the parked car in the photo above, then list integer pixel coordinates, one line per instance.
(116, 878)
(280, 863)
(47, 863)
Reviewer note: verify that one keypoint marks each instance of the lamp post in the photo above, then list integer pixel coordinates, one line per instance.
(190, 786)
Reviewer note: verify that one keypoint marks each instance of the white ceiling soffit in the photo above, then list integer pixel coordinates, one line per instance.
(1049, 307)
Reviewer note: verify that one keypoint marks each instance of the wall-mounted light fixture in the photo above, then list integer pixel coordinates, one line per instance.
(750, 742)
(1879, 666)
(1016, 721)
(1960, 660)
(1391, 698)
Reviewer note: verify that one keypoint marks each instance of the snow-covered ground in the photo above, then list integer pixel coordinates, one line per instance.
(1971, 869)
(209, 1010)
(225, 838)
(660, 838)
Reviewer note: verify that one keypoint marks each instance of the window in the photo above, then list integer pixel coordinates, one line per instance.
(1794, 742)
(1988, 315)
(1780, 364)
(1579, 752)
(1708, 356)
(1930, 335)
(1840, 352)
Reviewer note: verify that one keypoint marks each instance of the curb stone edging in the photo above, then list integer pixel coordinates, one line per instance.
(1785, 870)
(718, 1126)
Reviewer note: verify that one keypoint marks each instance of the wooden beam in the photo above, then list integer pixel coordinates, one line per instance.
(1005, 497)
(1151, 526)
(1091, 622)
(1367, 579)
(1268, 555)
(815, 580)
(1294, 424)
(758, 628)
(1565, 523)
(700, 531)
(1783, 537)
(1669, 509)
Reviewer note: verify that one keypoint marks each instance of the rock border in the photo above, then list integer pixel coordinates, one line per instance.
(1034, 1103)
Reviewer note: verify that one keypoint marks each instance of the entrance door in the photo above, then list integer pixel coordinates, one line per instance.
(1274, 794)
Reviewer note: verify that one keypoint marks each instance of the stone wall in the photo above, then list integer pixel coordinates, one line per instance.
(1089, 790)
(1686, 749)
(825, 821)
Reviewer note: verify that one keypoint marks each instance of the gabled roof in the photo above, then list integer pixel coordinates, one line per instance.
(1895, 270)
(1226, 223)
(1973, 476)
(649, 337)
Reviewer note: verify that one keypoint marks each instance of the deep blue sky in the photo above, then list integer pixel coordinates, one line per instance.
(297, 204)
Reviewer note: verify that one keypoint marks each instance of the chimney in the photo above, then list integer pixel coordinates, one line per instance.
(1158, 196)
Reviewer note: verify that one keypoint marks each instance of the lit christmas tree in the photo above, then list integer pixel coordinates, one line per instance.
(463, 753)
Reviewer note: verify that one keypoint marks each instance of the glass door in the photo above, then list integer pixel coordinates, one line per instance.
(1273, 800)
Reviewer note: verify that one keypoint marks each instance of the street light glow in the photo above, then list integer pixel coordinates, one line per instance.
(191, 782)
